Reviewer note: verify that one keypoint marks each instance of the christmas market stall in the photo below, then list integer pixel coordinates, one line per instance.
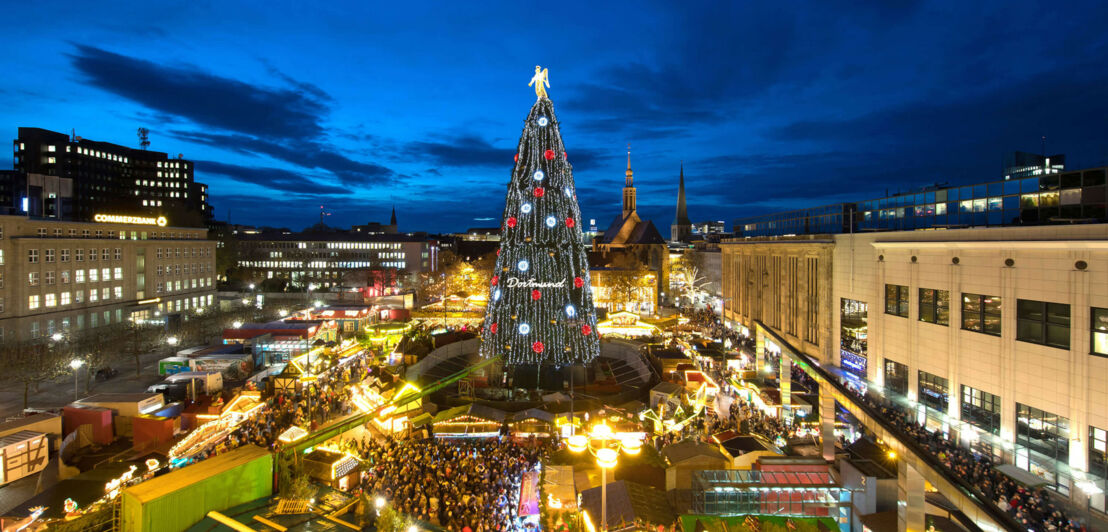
(332, 467)
(469, 421)
(531, 422)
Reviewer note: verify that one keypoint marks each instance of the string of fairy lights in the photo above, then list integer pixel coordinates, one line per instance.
(540, 308)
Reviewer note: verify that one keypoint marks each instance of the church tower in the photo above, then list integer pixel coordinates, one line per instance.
(681, 230)
(628, 188)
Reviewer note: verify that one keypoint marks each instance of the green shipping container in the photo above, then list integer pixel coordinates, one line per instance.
(178, 500)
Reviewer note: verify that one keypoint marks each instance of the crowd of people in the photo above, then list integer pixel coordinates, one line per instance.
(1030, 507)
(455, 484)
(313, 405)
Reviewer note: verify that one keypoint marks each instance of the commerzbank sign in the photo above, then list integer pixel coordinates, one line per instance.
(160, 221)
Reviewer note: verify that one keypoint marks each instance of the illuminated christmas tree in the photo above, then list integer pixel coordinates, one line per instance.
(540, 307)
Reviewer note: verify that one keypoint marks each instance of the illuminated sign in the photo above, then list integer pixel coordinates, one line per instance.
(853, 362)
(160, 221)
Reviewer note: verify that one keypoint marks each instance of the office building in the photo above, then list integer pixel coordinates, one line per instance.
(324, 259)
(107, 177)
(1053, 198)
(996, 335)
(36, 195)
(57, 276)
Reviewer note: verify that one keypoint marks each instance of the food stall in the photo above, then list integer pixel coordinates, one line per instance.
(332, 467)
(469, 421)
(531, 422)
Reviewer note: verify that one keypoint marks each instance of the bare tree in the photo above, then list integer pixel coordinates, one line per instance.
(31, 363)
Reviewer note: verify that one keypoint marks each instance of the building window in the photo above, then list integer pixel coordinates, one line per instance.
(51, 300)
(896, 378)
(981, 313)
(1099, 328)
(812, 311)
(65, 298)
(118, 273)
(79, 255)
(64, 255)
(119, 252)
(1042, 440)
(49, 276)
(981, 409)
(32, 278)
(32, 256)
(1039, 322)
(896, 300)
(49, 257)
(1098, 466)
(934, 306)
(118, 292)
(32, 302)
(934, 391)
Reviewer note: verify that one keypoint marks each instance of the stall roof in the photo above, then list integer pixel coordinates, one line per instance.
(472, 409)
(744, 444)
(532, 413)
(629, 501)
(679, 452)
(668, 388)
(168, 483)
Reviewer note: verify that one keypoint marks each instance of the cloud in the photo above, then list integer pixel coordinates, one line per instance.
(306, 154)
(274, 178)
(460, 151)
(204, 98)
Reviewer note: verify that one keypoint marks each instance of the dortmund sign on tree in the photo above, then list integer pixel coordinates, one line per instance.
(540, 307)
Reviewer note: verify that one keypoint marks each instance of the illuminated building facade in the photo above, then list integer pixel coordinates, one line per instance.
(998, 336)
(58, 276)
(108, 177)
(325, 258)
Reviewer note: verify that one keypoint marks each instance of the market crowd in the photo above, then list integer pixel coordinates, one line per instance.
(454, 484)
(314, 404)
(1032, 508)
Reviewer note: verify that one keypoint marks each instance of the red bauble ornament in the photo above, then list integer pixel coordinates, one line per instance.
(565, 156)
(585, 330)
(570, 223)
(511, 221)
(537, 347)
(492, 329)
(536, 295)
(539, 192)
(497, 252)
(517, 157)
(549, 154)
(578, 282)
(495, 278)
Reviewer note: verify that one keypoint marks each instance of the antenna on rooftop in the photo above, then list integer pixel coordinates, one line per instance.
(144, 137)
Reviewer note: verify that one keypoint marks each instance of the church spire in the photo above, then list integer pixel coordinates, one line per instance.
(682, 227)
(392, 221)
(630, 181)
(628, 188)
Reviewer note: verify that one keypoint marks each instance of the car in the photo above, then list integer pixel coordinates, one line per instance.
(106, 373)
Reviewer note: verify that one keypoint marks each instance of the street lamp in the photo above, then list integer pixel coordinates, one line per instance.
(237, 324)
(282, 313)
(605, 445)
(76, 365)
(172, 340)
(57, 337)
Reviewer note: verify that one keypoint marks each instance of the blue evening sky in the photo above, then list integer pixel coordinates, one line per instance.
(286, 106)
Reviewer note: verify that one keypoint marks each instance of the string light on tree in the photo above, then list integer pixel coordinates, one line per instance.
(541, 291)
